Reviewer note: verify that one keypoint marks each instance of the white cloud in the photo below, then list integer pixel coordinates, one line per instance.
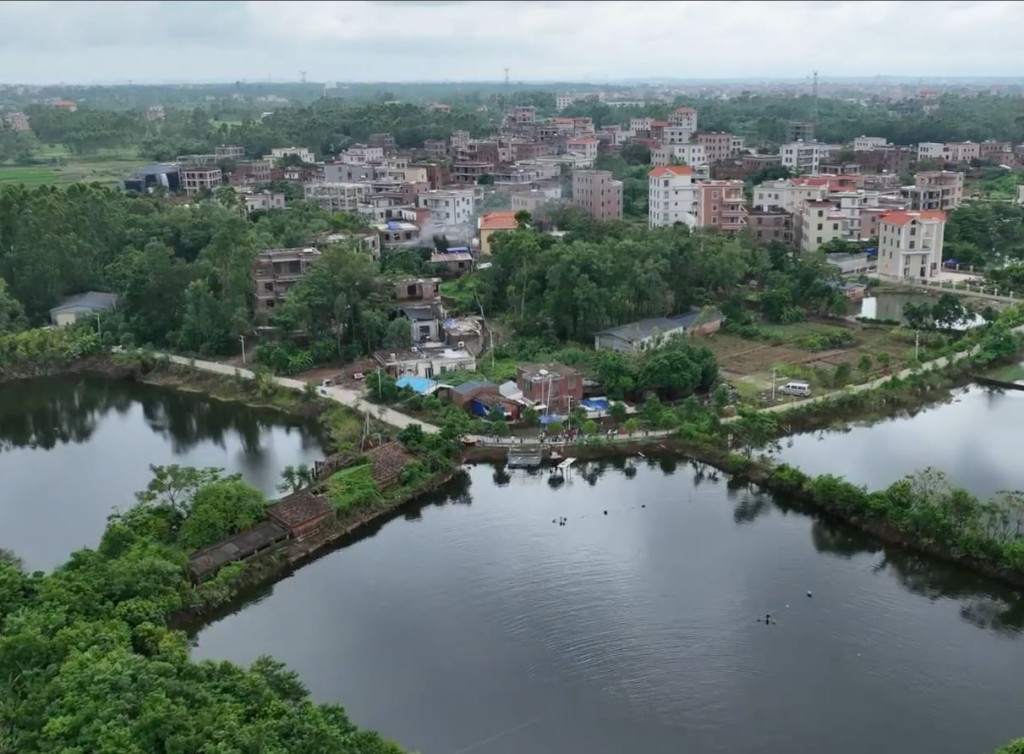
(403, 41)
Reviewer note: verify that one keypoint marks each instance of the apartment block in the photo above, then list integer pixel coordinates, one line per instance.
(640, 125)
(524, 115)
(585, 146)
(449, 206)
(679, 154)
(788, 194)
(770, 225)
(803, 158)
(720, 204)
(820, 222)
(799, 131)
(195, 178)
(305, 156)
(684, 117)
(935, 190)
(867, 143)
(562, 101)
(718, 146)
(263, 201)
(229, 152)
(910, 244)
(963, 151)
(597, 193)
(336, 196)
(277, 270)
(671, 197)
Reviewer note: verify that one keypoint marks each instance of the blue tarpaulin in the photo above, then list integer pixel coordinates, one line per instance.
(420, 385)
(595, 404)
(546, 419)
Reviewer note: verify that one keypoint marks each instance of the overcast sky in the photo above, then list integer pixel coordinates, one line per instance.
(93, 42)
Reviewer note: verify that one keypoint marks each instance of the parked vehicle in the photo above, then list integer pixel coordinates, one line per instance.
(799, 388)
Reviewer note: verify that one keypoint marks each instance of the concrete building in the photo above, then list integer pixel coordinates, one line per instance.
(469, 173)
(718, 146)
(801, 157)
(16, 121)
(685, 118)
(820, 222)
(935, 190)
(149, 178)
(524, 115)
(931, 150)
(868, 143)
(337, 197)
(492, 222)
(597, 193)
(449, 206)
(195, 178)
(997, 152)
(963, 151)
(910, 244)
(276, 271)
(585, 146)
(671, 197)
(770, 224)
(305, 156)
(556, 386)
(721, 204)
(229, 152)
(640, 125)
(562, 101)
(263, 201)
(799, 131)
(637, 336)
(82, 305)
(679, 154)
(788, 194)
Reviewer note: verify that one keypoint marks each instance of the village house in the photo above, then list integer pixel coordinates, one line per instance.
(910, 244)
(639, 335)
(556, 386)
(417, 289)
(301, 513)
(263, 201)
(430, 361)
(277, 270)
(455, 261)
(492, 222)
(90, 304)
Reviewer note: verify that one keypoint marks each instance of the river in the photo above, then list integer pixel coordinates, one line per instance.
(72, 449)
(474, 623)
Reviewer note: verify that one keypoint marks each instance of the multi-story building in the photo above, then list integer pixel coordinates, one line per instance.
(524, 115)
(676, 135)
(435, 147)
(263, 200)
(563, 101)
(770, 225)
(820, 222)
(801, 157)
(998, 152)
(276, 271)
(718, 146)
(469, 173)
(229, 152)
(305, 156)
(384, 141)
(963, 151)
(337, 196)
(931, 150)
(494, 222)
(449, 206)
(685, 118)
(195, 178)
(910, 244)
(671, 197)
(640, 125)
(597, 193)
(935, 190)
(155, 112)
(720, 204)
(799, 131)
(788, 194)
(555, 386)
(868, 143)
(585, 146)
(361, 154)
(679, 154)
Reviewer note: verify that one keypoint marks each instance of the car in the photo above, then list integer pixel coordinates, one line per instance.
(797, 388)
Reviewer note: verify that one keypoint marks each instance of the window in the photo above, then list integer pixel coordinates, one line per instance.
(819, 226)
(268, 287)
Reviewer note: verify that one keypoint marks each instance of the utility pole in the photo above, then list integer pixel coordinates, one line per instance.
(303, 75)
(917, 344)
(508, 92)
(99, 327)
(774, 372)
(242, 339)
(814, 116)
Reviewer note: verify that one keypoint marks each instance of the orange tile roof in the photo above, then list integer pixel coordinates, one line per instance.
(902, 218)
(501, 220)
(661, 170)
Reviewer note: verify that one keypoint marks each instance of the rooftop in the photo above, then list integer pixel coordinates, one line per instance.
(645, 328)
(902, 218)
(91, 301)
(298, 508)
(663, 170)
(500, 220)
(387, 462)
(209, 559)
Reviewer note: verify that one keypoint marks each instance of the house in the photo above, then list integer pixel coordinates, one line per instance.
(422, 322)
(639, 335)
(430, 361)
(455, 262)
(305, 156)
(935, 190)
(463, 394)
(205, 563)
(301, 513)
(89, 304)
(597, 193)
(387, 462)
(556, 386)
(417, 289)
(229, 152)
(492, 222)
(196, 178)
(485, 404)
(277, 270)
(263, 201)
(671, 197)
(910, 244)
(146, 179)
(464, 333)
(770, 224)
(721, 205)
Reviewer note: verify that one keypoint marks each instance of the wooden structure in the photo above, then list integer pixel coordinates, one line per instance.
(205, 563)
(302, 513)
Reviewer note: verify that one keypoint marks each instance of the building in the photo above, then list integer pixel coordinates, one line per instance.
(417, 289)
(555, 386)
(671, 197)
(931, 150)
(963, 151)
(251, 173)
(276, 271)
(383, 141)
(1018, 196)
(683, 118)
(16, 121)
(524, 115)
(770, 225)
(721, 204)
(263, 201)
(597, 193)
(305, 156)
(718, 146)
(469, 173)
(935, 190)
(585, 146)
(679, 154)
(147, 179)
(787, 193)
(428, 361)
(910, 244)
(337, 197)
(301, 513)
(869, 143)
(82, 305)
(640, 125)
(820, 223)
(456, 261)
(368, 240)
(799, 131)
(229, 152)
(491, 223)
(449, 206)
(637, 336)
(197, 178)
(801, 157)
(562, 101)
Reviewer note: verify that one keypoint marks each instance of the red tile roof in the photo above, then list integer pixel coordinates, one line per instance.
(902, 218)
(662, 170)
(501, 220)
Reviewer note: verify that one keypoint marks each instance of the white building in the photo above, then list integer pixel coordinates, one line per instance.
(337, 197)
(671, 196)
(931, 150)
(264, 200)
(677, 135)
(910, 244)
(449, 206)
(586, 147)
(821, 222)
(684, 117)
(563, 101)
(786, 194)
(302, 153)
(640, 124)
(360, 154)
(679, 154)
(868, 143)
(803, 158)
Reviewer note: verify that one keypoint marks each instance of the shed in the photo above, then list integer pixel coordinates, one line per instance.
(638, 335)
(71, 308)
(205, 563)
(387, 462)
(301, 513)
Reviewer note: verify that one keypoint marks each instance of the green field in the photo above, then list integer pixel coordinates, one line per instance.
(59, 167)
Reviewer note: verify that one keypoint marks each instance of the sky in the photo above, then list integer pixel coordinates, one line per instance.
(437, 40)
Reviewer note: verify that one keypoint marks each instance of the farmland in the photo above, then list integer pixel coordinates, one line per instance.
(56, 166)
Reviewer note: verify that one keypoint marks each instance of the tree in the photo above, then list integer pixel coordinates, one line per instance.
(841, 375)
(530, 416)
(523, 218)
(754, 428)
(485, 180)
(864, 365)
(12, 314)
(220, 509)
(948, 312)
(176, 486)
(555, 428)
(617, 411)
(294, 478)
(884, 359)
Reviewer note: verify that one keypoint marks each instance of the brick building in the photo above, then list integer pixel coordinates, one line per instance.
(554, 385)
(597, 193)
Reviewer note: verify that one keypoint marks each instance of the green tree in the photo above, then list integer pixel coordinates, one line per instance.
(884, 359)
(864, 365)
(220, 509)
(617, 410)
(294, 478)
(12, 314)
(841, 375)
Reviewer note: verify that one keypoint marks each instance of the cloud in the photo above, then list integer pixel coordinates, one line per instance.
(415, 41)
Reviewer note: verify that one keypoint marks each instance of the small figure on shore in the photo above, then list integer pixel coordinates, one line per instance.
(606, 513)
(809, 593)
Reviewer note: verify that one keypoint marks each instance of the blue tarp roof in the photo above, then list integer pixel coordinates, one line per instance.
(453, 249)
(393, 225)
(420, 385)
(595, 404)
(546, 419)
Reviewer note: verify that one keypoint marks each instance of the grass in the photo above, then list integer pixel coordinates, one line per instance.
(61, 168)
(352, 487)
(1007, 373)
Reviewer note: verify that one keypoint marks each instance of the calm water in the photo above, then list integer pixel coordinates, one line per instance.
(973, 438)
(478, 625)
(71, 449)
(890, 306)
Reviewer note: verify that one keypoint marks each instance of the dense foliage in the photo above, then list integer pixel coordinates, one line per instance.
(986, 235)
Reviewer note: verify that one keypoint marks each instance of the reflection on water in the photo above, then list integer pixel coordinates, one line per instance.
(71, 449)
(891, 306)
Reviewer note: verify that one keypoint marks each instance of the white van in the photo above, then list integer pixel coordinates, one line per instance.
(798, 388)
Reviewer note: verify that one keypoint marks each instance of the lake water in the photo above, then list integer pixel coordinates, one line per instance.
(473, 623)
(890, 306)
(72, 449)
